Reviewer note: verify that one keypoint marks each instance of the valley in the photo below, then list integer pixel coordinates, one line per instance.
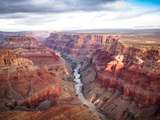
(80, 76)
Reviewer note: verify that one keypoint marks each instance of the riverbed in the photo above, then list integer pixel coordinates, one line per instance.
(79, 92)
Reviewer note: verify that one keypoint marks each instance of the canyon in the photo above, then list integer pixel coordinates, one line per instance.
(121, 80)
(36, 83)
(72, 75)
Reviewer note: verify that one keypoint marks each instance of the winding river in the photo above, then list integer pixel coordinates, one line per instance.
(78, 88)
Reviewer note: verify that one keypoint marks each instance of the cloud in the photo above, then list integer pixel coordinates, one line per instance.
(78, 20)
(48, 6)
(74, 14)
(137, 13)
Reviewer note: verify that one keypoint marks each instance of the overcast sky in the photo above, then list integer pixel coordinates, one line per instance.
(21, 15)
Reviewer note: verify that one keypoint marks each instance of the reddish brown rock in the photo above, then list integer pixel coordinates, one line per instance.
(30, 73)
(63, 112)
(133, 75)
(125, 76)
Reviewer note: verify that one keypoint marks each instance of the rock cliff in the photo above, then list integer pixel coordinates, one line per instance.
(30, 74)
(125, 83)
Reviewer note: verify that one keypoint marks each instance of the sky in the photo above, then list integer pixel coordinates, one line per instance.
(55, 15)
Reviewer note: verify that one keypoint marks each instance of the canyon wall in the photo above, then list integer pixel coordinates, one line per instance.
(30, 74)
(123, 82)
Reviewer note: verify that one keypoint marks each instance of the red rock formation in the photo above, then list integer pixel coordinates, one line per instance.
(134, 78)
(29, 73)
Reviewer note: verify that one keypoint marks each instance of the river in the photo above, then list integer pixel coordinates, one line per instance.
(79, 92)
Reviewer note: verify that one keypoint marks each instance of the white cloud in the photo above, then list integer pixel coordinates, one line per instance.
(124, 15)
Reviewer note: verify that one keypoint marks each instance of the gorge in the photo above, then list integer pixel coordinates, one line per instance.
(120, 80)
(92, 76)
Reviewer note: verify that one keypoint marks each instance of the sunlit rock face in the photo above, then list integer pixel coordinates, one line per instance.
(30, 74)
(132, 76)
(123, 82)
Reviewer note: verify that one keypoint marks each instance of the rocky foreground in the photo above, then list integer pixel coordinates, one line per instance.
(36, 83)
(122, 81)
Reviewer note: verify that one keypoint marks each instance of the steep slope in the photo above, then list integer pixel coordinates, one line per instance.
(124, 83)
(30, 73)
